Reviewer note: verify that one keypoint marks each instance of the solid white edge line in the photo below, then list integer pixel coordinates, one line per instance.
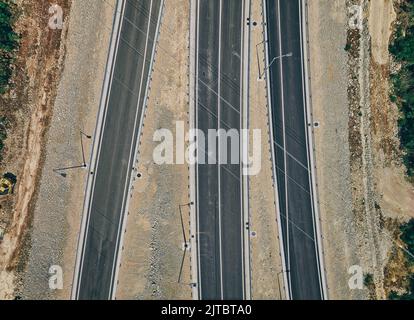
(192, 116)
(126, 193)
(123, 225)
(308, 105)
(277, 203)
(245, 69)
(198, 154)
(284, 147)
(113, 49)
(219, 148)
(242, 147)
(307, 135)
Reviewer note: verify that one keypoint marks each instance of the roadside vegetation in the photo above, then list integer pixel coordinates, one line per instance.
(3, 133)
(407, 237)
(402, 81)
(402, 49)
(9, 43)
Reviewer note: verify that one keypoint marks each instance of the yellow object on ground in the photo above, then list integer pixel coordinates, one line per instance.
(7, 183)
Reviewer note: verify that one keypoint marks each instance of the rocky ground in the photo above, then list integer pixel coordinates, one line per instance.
(55, 216)
(153, 247)
(363, 194)
(29, 107)
(266, 267)
(362, 189)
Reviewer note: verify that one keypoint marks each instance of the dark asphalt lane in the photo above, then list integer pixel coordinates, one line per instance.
(289, 121)
(230, 177)
(207, 175)
(219, 190)
(118, 141)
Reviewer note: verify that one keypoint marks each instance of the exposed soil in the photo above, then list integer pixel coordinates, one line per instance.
(397, 270)
(382, 198)
(58, 210)
(29, 107)
(364, 195)
(368, 218)
(395, 200)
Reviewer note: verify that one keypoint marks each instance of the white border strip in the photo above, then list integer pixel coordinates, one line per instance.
(269, 103)
(312, 166)
(109, 69)
(193, 126)
(123, 225)
(245, 65)
(219, 147)
(282, 89)
(127, 187)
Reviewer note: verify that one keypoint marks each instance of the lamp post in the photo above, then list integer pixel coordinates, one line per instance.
(184, 238)
(82, 134)
(61, 171)
(273, 60)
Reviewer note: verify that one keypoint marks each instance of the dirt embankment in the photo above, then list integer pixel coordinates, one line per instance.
(394, 194)
(363, 193)
(29, 107)
(397, 194)
(372, 238)
(58, 210)
(381, 196)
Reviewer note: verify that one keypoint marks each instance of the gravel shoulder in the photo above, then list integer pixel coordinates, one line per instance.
(57, 213)
(153, 245)
(29, 108)
(329, 82)
(360, 176)
(266, 266)
(363, 195)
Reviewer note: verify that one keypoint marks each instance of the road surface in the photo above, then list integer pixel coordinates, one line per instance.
(219, 186)
(112, 165)
(292, 153)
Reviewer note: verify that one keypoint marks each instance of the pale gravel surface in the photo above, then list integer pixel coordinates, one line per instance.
(328, 23)
(351, 223)
(57, 214)
(152, 248)
(374, 247)
(266, 266)
(58, 209)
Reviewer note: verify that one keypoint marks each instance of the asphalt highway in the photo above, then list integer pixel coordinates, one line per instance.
(219, 94)
(288, 100)
(116, 146)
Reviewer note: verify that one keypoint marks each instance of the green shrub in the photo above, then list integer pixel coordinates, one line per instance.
(368, 280)
(402, 48)
(406, 296)
(9, 42)
(407, 236)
